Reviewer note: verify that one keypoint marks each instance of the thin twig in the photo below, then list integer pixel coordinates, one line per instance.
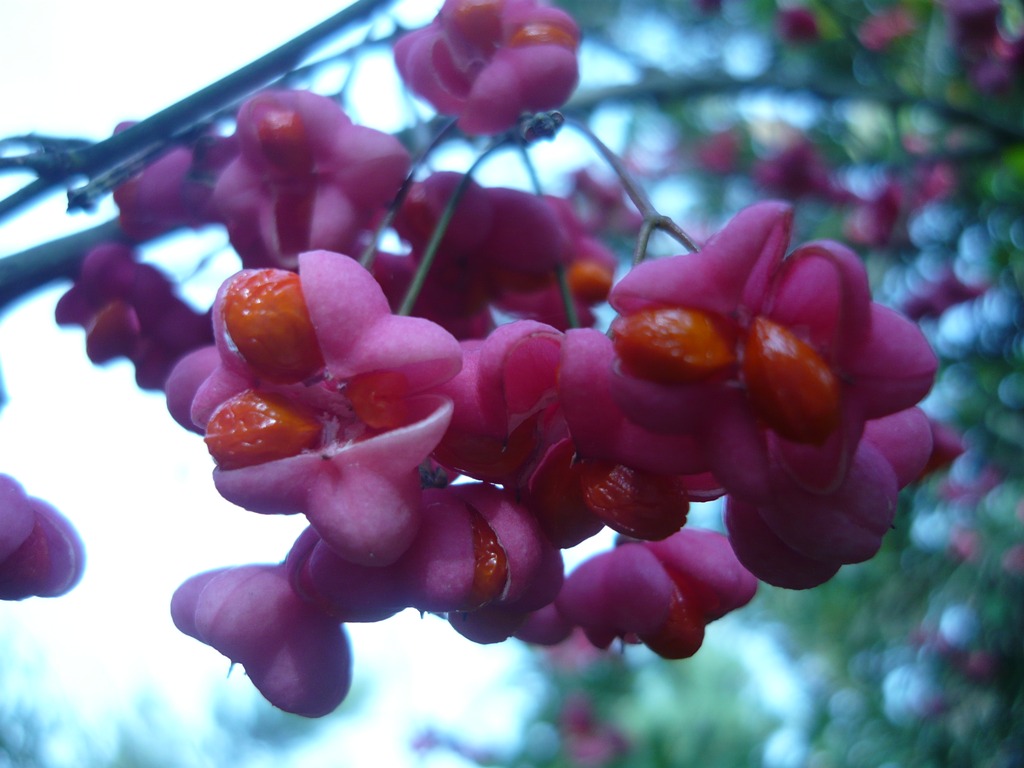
(561, 274)
(652, 218)
(179, 117)
(31, 191)
(46, 155)
(369, 253)
(664, 88)
(430, 252)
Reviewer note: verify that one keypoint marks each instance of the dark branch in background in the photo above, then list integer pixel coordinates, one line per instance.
(33, 268)
(662, 88)
(59, 161)
(171, 122)
(45, 154)
(102, 184)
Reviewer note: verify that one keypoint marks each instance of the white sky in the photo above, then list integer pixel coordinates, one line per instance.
(136, 486)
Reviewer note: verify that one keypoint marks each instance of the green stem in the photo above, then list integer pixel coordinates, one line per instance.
(370, 252)
(430, 252)
(572, 317)
(561, 275)
(642, 239)
(531, 170)
(30, 192)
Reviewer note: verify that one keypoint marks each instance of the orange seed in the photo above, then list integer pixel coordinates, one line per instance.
(266, 317)
(792, 389)
(672, 345)
(255, 427)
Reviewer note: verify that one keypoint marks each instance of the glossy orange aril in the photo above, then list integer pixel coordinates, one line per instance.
(791, 388)
(490, 565)
(479, 22)
(544, 33)
(672, 345)
(283, 139)
(267, 320)
(486, 458)
(556, 499)
(682, 633)
(378, 398)
(255, 427)
(638, 504)
(112, 332)
(590, 281)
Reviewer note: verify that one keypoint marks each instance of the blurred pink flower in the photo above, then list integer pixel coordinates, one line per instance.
(795, 171)
(129, 309)
(797, 25)
(882, 29)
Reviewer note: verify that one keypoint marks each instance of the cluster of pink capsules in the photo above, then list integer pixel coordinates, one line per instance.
(446, 426)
